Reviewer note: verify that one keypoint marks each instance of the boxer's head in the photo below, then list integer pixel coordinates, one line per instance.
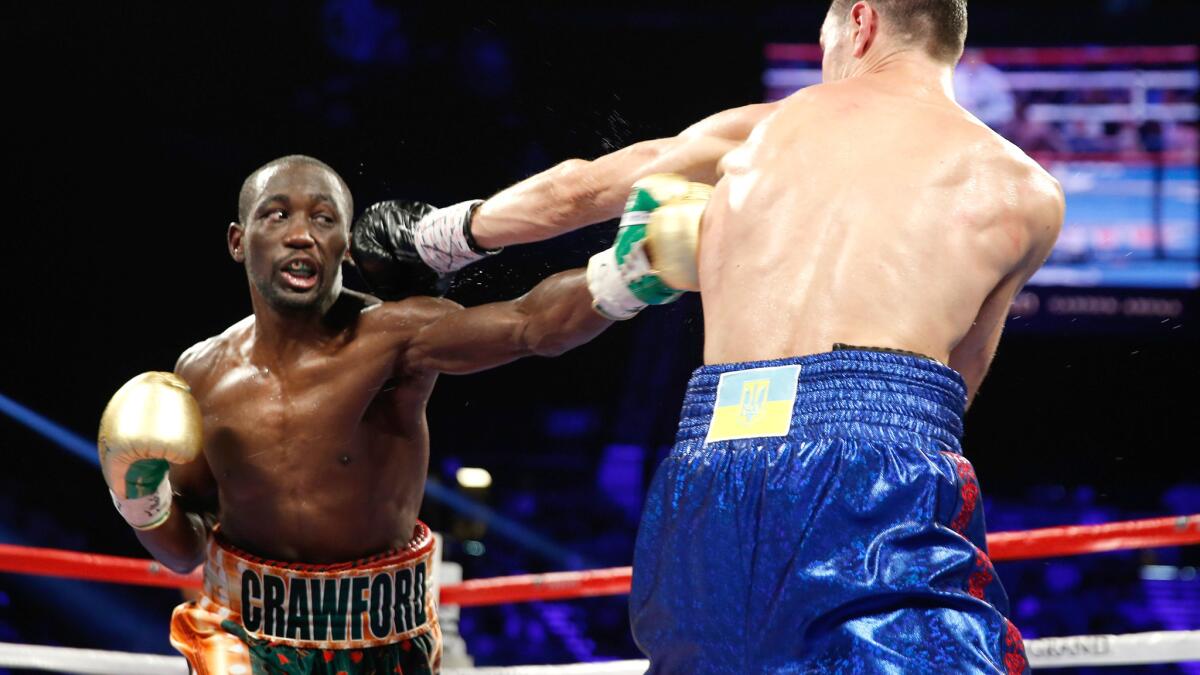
(855, 29)
(292, 232)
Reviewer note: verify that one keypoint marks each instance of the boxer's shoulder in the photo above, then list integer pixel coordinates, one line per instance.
(1026, 200)
(407, 315)
(853, 89)
(203, 360)
(824, 103)
(1039, 192)
(1028, 169)
(734, 123)
(1044, 210)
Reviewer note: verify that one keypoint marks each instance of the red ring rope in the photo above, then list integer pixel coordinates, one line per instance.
(1078, 539)
(1042, 543)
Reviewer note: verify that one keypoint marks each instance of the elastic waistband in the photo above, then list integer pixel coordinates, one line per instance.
(374, 601)
(850, 393)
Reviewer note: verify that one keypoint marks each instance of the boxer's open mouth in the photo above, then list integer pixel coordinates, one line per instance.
(300, 274)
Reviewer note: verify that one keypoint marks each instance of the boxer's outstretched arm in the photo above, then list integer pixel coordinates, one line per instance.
(578, 192)
(552, 318)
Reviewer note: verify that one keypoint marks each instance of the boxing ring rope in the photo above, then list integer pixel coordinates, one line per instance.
(1020, 545)
(1079, 650)
(1076, 651)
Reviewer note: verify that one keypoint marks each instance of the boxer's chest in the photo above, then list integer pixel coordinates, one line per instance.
(307, 416)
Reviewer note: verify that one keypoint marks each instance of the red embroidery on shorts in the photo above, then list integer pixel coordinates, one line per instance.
(356, 656)
(1014, 651)
(328, 655)
(981, 577)
(968, 492)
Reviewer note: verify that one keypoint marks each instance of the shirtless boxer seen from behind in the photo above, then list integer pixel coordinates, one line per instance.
(306, 439)
(857, 259)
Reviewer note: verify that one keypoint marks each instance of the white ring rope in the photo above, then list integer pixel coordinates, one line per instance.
(91, 661)
(1111, 650)
(599, 668)
(1058, 652)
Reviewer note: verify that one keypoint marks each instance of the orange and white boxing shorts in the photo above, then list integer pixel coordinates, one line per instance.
(366, 617)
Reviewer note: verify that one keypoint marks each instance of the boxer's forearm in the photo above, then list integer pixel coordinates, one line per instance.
(578, 193)
(571, 195)
(552, 318)
(559, 314)
(179, 542)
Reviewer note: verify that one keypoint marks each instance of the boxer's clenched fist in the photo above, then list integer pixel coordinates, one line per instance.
(405, 248)
(654, 257)
(151, 422)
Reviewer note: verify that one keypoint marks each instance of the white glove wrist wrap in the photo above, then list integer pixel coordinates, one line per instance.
(611, 296)
(441, 238)
(147, 512)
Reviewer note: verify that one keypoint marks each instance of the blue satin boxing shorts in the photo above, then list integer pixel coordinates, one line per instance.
(817, 516)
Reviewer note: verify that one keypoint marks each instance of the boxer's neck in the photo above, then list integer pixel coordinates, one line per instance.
(279, 334)
(911, 70)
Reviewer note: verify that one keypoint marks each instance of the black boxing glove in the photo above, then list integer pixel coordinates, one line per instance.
(405, 248)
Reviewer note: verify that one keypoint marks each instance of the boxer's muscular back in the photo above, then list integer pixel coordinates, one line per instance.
(859, 214)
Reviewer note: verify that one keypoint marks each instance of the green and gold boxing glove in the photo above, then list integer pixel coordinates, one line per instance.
(150, 423)
(653, 260)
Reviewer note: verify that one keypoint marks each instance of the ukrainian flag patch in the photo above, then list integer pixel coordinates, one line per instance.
(754, 403)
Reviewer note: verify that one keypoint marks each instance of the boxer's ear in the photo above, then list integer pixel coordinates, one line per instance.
(233, 237)
(864, 22)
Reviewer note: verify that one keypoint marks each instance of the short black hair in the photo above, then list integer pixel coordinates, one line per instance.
(939, 25)
(246, 196)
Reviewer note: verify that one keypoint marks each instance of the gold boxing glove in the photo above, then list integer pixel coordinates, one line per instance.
(673, 237)
(151, 422)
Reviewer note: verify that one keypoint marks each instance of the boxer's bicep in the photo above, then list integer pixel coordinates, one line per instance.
(697, 158)
(697, 151)
(193, 483)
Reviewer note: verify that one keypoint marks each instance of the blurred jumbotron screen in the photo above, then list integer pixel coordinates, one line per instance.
(1116, 125)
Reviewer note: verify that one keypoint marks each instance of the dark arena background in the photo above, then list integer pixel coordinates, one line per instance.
(131, 127)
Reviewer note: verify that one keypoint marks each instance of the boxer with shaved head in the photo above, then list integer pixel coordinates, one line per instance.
(289, 453)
